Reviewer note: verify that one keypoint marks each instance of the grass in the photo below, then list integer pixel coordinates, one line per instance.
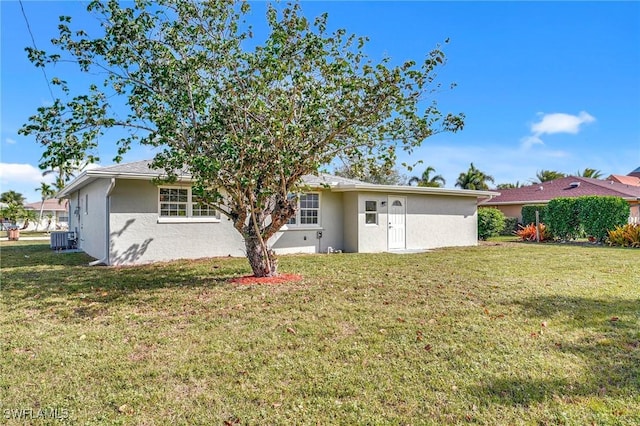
(503, 333)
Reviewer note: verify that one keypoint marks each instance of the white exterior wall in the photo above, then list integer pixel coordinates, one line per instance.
(293, 239)
(351, 221)
(441, 221)
(87, 218)
(137, 237)
(432, 221)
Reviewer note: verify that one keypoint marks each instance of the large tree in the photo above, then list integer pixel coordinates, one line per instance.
(474, 178)
(426, 179)
(371, 173)
(247, 118)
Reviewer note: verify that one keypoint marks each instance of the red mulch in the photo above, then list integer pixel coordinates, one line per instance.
(280, 279)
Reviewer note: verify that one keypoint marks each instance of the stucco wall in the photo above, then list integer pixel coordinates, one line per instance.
(350, 222)
(87, 217)
(441, 221)
(512, 210)
(431, 221)
(137, 237)
(305, 239)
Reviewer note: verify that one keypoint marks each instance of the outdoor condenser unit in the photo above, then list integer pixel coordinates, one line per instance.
(63, 240)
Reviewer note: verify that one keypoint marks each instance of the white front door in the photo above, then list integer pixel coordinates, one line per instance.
(396, 223)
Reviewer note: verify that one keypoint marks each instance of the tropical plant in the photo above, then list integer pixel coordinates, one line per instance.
(625, 235)
(474, 179)
(427, 180)
(491, 222)
(247, 119)
(12, 197)
(547, 175)
(532, 233)
(509, 185)
(46, 192)
(590, 173)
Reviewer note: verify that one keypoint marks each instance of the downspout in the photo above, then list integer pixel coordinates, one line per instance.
(105, 259)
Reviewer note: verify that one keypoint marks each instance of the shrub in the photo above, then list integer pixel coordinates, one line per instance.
(599, 214)
(510, 226)
(490, 222)
(528, 233)
(625, 236)
(562, 217)
(529, 213)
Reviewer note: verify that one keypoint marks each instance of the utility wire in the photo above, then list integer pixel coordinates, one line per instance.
(33, 40)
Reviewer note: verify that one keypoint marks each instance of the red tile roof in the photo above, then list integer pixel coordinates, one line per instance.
(627, 180)
(572, 186)
(51, 205)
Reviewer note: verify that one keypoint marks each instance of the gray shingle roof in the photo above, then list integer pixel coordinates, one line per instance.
(143, 168)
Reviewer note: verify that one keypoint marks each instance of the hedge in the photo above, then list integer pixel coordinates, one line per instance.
(529, 213)
(562, 218)
(599, 214)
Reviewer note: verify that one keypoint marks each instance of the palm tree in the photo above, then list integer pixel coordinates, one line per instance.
(12, 197)
(509, 185)
(474, 179)
(547, 175)
(426, 179)
(46, 192)
(590, 173)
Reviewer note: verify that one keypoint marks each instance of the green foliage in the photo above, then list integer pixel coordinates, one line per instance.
(562, 217)
(547, 175)
(529, 232)
(599, 214)
(371, 173)
(625, 236)
(510, 225)
(590, 173)
(427, 180)
(529, 213)
(474, 179)
(509, 185)
(491, 222)
(248, 124)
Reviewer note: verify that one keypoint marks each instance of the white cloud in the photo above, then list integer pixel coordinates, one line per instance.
(12, 172)
(554, 123)
(10, 141)
(561, 123)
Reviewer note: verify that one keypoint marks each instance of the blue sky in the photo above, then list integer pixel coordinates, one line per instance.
(544, 85)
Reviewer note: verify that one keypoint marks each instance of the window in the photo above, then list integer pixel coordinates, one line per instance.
(371, 212)
(308, 211)
(174, 201)
(180, 203)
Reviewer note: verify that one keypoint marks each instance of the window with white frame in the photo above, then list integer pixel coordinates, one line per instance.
(181, 203)
(308, 210)
(371, 212)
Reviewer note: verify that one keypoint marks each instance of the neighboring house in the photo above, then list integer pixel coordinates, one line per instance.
(121, 217)
(632, 178)
(510, 201)
(55, 215)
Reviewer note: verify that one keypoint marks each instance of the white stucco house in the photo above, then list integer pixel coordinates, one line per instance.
(120, 217)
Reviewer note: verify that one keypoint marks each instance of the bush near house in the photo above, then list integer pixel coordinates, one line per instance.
(510, 226)
(529, 213)
(562, 218)
(490, 222)
(626, 236)
(598, 215)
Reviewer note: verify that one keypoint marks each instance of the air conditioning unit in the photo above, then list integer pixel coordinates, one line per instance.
(63, 240)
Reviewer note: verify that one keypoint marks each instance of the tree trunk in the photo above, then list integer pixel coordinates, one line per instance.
(261, 264)
(40, 217)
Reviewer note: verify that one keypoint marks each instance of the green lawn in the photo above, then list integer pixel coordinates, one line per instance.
(503, 333)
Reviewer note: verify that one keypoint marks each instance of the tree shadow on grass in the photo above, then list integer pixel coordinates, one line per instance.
(36, 272)
(603, 334)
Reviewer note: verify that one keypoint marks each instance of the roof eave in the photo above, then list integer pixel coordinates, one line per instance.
(413, 190)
